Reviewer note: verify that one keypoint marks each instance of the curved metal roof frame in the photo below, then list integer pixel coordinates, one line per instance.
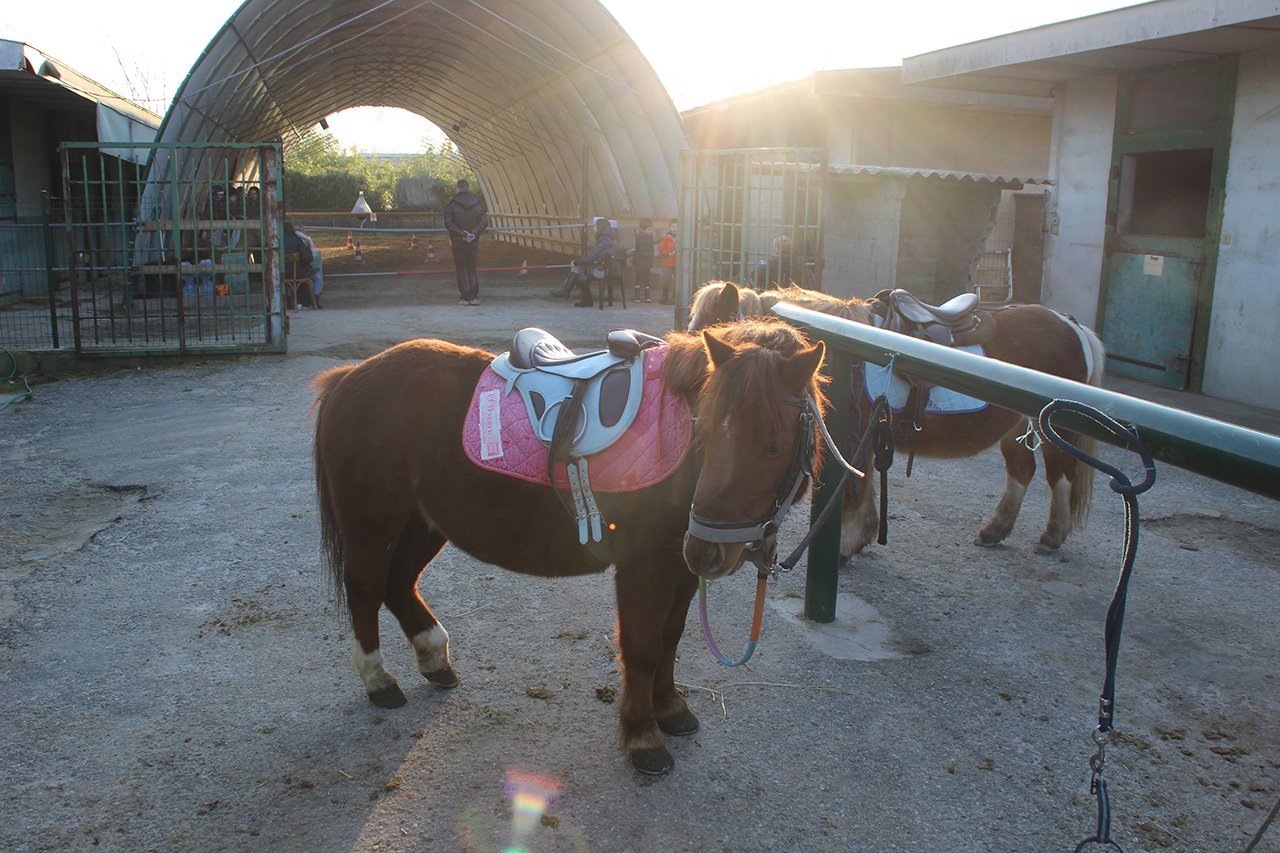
(538, 95)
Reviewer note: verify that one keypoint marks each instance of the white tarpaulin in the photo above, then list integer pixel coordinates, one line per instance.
(115, 126)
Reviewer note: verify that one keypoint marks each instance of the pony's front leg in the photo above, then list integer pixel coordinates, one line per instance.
(644, 599)
(670, 710)
(860, 517)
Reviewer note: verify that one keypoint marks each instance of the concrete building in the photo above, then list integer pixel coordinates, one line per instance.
(918, 182)
(43, 103)
(1163, 224)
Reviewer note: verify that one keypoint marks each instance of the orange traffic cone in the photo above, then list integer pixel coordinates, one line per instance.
(350, 245)
(359, 257)
(431, 253)
(524, 268)
(413, 242)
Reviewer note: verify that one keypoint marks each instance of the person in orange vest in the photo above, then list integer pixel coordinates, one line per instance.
(667, 251)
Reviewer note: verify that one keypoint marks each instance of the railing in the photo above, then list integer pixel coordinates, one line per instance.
(563, 234)
(1224, 452)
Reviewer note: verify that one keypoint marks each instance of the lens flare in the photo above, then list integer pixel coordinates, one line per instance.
(530, 795)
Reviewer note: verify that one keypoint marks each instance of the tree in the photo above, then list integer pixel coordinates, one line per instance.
(319, 175)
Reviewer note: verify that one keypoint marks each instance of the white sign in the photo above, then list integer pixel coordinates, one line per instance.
(490, 425)
(1153, 265)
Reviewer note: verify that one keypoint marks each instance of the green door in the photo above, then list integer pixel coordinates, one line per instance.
(1163, 217)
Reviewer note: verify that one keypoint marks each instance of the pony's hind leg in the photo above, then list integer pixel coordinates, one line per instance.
(366, 582)
(1070, 492)
(1019, 467)
(418, 546)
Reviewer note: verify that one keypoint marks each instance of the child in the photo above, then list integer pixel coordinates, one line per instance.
(667, 249)
(643, 259)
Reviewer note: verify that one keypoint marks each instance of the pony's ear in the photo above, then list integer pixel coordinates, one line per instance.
(719, 351)
(800, 368)
(727, 302)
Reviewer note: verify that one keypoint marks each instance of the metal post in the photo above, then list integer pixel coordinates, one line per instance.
(46, 213)
(822, 573)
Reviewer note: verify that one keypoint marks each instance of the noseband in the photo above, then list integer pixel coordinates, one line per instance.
(762, 535)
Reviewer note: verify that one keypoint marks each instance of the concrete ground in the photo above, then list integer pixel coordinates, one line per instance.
(174, 676)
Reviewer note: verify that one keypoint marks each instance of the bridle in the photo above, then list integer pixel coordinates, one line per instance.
(761, 535)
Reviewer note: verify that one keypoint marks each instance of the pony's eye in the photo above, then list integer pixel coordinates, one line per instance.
(773, 450)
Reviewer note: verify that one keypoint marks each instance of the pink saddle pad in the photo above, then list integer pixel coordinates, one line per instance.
(498, 436)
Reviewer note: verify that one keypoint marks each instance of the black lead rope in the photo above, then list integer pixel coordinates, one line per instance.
(1121, 484)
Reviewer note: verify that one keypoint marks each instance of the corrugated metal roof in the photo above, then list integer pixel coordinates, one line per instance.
(534, 95)
(1011, 181)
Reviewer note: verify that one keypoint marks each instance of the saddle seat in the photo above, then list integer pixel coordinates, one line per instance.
(957, 311)
(535, 348)
(548, 375)
(956, 322)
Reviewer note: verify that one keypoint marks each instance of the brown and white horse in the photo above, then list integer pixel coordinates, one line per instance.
(1030, 336)
(394, 485)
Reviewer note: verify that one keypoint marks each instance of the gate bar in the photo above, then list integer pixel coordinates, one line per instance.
(1221, 451)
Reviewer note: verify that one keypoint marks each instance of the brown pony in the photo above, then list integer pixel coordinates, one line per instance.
(1030, 336)
(394, 485)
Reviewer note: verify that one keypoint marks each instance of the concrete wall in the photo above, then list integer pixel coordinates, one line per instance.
(1080, 160)
(932, 136)
(1243, 346)
(860, 237)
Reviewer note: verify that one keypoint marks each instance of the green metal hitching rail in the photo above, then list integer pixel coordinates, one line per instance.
(1221, 451)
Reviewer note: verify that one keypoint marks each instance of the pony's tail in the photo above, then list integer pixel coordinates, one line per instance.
(1082, 475)
(330, 534)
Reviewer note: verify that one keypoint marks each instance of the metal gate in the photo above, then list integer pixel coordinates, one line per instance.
(752, 216)
(181, 256)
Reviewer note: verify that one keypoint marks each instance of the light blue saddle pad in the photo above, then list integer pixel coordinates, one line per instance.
(878, 380)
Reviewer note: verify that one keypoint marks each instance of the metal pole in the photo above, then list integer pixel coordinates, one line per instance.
(822, 573)
(46, 213)
(1221, 451)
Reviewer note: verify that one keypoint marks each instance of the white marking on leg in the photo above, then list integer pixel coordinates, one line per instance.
(1006, 513)
(371, 670)
(1059, 524)
(432, 648)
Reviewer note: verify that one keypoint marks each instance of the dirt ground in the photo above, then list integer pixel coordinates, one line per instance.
(173, 675)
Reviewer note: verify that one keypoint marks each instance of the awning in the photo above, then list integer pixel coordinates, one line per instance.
(1005, 181)
(35, 75)
(115, 126)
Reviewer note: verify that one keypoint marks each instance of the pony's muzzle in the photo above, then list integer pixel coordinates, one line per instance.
(712, 560)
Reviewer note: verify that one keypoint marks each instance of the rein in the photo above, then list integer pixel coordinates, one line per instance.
(1115, 613)
(762, 536)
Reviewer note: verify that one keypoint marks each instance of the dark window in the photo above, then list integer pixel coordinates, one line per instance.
(1165, 192)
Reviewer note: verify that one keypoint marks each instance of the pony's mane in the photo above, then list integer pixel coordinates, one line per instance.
(705, 302)
(750, 380)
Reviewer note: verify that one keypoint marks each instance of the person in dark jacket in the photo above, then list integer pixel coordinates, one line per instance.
(580, 268)
(294, 244)
(601, 255)
(466, 219)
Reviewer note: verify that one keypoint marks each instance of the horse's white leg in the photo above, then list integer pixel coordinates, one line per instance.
(1059, 523)
(1070, 489)
(1019, 466)
(378, 683)
(860, 519)
(432, 649)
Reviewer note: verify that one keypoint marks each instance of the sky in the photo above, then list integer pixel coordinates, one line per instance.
(702, 50)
